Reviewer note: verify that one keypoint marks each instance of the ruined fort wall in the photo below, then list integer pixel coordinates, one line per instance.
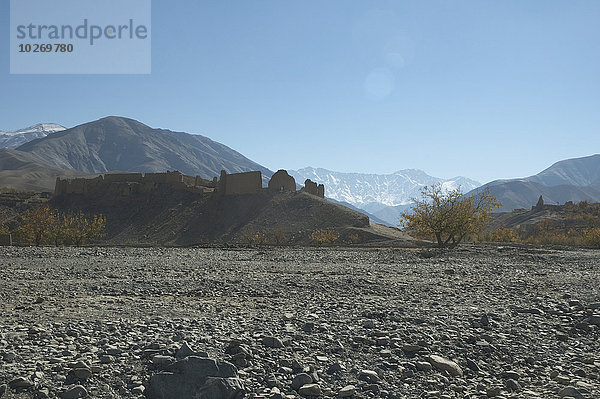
(282, 181)
(312, 188)
(321, 190)
(76, 186)
(241, 183)
(189, 181)
(124, 184)
(164, 178)
(200, 182)
(5, 240)
(123, 178)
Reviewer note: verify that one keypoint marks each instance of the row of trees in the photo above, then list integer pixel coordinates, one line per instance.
(43, 225)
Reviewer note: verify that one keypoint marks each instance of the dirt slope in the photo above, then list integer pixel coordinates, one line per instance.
(25, 171)
(183, 218)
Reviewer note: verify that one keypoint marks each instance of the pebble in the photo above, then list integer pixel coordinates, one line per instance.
(272, 342)
(376, 319)
(78, 391)
(570, 392)
(300, 380)
(444, 364)
(368, 376)
(82, 373)
(20, 382)
(310, 390)
(347, 391)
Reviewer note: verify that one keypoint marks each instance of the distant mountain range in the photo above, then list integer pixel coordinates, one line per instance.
(383, 196)
(13, 139)
(117, 144)
(576, 180)
(32, 158)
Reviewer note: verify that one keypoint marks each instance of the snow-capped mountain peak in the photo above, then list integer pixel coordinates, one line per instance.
(377, 193)
(15, 138)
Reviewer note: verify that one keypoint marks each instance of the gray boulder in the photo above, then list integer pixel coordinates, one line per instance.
(196, 378)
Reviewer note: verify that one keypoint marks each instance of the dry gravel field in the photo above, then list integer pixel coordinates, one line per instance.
(479, 322)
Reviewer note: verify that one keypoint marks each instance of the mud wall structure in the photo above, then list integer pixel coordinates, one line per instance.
(281, 182)
(312, 188)
(240, 183)
(124, 184)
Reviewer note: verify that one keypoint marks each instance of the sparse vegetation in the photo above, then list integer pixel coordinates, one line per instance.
(43, 225)
(324, 236)
(255, 238)
(79, 229)
(576, 225)
(448, 217)
(540, 235)
(278, 235)
(353, 238)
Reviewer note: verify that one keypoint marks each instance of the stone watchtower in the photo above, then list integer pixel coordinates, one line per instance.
(540, 204)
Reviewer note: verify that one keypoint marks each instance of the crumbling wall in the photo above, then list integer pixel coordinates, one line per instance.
(124, 184)
(76, 186)
(5, 240)
(281, 181)
(312, 188)
(240, 183)
(174, 178)
(189, 181)
(123, 178)
(60, 187)
(200, 182)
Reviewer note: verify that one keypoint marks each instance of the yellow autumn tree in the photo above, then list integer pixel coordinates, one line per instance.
(36, 224)
(42, 225)
(78, 228)
(324, 236)
(448, 216)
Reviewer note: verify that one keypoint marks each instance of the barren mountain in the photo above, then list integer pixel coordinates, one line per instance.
(122, 144)
(26, 171)
(580, 172)
(574, 180)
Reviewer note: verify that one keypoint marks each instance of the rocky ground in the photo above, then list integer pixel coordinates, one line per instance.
(305, 322)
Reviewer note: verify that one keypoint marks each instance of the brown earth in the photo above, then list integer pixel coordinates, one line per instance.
(182, 218)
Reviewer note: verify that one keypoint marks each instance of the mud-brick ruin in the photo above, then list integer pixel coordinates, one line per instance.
(125, 184)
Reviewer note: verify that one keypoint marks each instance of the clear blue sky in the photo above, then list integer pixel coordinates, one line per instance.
(483, 89)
